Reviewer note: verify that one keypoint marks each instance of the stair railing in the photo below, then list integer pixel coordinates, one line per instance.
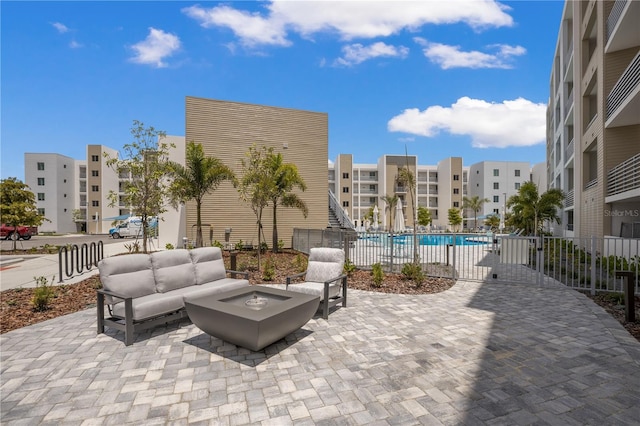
(337, 209)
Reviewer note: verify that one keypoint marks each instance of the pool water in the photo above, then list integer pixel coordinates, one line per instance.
(441, 240)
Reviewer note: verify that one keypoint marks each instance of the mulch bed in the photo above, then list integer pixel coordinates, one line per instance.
(16, 307)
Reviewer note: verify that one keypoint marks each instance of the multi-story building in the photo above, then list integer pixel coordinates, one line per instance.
(359, 187)
(73, 194)
(53, 178)
(497, 181)
(593, 118)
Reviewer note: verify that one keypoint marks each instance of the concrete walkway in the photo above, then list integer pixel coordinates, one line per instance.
(20, 271)
(479, 353)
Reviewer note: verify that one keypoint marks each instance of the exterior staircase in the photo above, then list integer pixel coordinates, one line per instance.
(337, 216)
(333, 220)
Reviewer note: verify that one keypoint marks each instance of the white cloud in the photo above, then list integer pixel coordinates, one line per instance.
(75, 45)
(452, 57)
(153, 49)
(349, 19)
(518, 122)
(330, 163)
(252, 29)
(354, 54)
(62, 28)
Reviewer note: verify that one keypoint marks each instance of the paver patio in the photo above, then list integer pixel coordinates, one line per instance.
(480, 353)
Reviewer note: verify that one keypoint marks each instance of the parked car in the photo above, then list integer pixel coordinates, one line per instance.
(19, 232)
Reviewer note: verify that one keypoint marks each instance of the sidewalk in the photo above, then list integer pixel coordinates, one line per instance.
(20, 271)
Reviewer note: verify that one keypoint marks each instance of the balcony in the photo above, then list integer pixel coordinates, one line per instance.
(568, 199)
(624, 180)
(400, 189)
(568, 152)
(623, 103)
(622, 26)
(591, 184)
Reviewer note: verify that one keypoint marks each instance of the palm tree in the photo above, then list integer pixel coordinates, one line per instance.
(530, 210)
(492, 221)
(474, 203)
(391, 201)
(407, 178)
(200, 176)
(285, 178)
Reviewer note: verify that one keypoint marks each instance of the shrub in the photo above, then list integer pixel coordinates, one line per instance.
(218, 244)
(301, 262)
(169, 246)
(42, 295)
(263, 247)
(413, 271)
(134, 247)
(280, 244)
(349, 267)
(269, 272)
(377, 274)
(239, 245)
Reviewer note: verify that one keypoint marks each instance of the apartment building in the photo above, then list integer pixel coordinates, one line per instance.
(73, 194)
(593, 119)
(497, 181)
(359, 187)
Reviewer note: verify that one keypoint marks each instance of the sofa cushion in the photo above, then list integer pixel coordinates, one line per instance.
(324, 264)
(130, 275)
(152, 305)
(172, 269)
(208, 264)
(316, 289)
(218, 286)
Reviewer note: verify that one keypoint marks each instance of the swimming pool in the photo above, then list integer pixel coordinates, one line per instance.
(433, 239)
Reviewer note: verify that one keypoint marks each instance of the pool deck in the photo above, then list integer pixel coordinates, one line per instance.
(479, 353)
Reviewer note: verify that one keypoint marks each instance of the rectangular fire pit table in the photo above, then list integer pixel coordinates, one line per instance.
(252, 317)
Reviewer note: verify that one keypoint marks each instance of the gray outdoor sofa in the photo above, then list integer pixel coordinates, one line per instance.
(142, 291)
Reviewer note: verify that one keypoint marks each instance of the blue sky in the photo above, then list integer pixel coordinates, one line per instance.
(443, 78)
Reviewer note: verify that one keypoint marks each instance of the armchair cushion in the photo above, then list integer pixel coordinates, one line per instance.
(324, 264)
(129, 276)
(317, 289)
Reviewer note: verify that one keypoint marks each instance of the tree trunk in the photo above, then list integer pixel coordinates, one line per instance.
(274, 239)
(198, 223)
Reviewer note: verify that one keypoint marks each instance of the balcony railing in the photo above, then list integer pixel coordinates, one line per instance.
(568, 105)
(568, 152)
(629, 80)
(591, 183)
(568, 198)
(624, 177)
(614, 16)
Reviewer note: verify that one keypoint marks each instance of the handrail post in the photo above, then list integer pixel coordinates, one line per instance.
(629, 294)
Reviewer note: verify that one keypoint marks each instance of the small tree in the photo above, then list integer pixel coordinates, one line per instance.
(492, 221)
(146, 161)
(455, 218)
(285, 178)
(407, 178)
(18, 205)
(255, 185)
(529, 210)
(391, 201)
(474, 203)
(424, 216)
(199, 176)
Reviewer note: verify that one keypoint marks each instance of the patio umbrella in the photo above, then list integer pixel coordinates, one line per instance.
(375, 217)
(398, 223)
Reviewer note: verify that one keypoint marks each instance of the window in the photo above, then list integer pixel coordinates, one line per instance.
(94, 188)
(517, 172)
(40, 181)
(64, 181)
(40, 166)
(477, 172)
(372, 174)
(345, 176)
(517, 185)
(496, 212)
(496, 172)
(94, 173)
(94, 217)
(65, 195)
(496, 198)
(456, 204)
(456, 177)
(372, 200)
(456, 191)
(345, 204)
(496, 185)
(41, 212)
(64, 167)
(345, 189)
(95, 203)
(40, 196)
(372, 187)
(95, 158)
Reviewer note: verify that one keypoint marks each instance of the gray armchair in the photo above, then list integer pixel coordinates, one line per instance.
(324, 277)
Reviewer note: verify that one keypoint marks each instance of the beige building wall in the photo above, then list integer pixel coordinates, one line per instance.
(344, 187)
(227, 130)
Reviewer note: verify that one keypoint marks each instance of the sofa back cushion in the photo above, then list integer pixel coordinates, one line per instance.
(130, 275)
(324, 264)
(208, 264)
(172, 269)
